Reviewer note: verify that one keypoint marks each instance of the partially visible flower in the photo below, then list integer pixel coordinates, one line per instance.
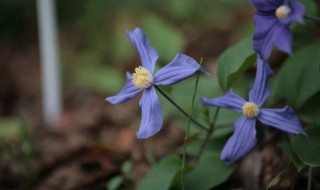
(272, 20)
(243, 139)
(181, 67)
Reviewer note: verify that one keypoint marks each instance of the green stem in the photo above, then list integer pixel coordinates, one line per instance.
(311, 17)
(188, 130)
(209, 133)
(180, 109)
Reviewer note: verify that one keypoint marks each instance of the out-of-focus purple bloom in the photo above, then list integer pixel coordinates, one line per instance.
(272, 20)
(243, 139)
(181, 67)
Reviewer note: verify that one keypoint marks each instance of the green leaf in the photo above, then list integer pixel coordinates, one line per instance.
(220, 132)
(308, 150)
(310, 7)
(126, 167)
(227, 117)
(162, 175)
(100, 78)
(276, 178)
(177, 93)
(120, 46)
(167, 39)
(233, 62)
(208, 173)
(115, 183)
(286, 147)
(310, 111)
(207, 88)
(299, 76)
(11, 129)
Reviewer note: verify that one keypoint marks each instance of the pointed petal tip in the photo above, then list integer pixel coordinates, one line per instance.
(113, 100)
(203, 101)
(109, 99)
(137, 29)
(128, 74)
(298, 11)
(147, 52)
(141, 136)
(144, 134)
(289, 51)
(180, 68)
(283, 119)
(305, 134)
(202, 69)
(126, 93)
(227, 160)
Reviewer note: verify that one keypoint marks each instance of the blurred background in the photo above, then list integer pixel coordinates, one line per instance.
(94, 144)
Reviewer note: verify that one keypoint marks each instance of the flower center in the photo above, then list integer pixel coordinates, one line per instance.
(250, 109)
(283, 11)
(142, 78)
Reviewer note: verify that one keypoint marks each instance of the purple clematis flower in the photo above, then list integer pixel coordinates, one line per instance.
(243, 139)
(181, 67)
(272, 20)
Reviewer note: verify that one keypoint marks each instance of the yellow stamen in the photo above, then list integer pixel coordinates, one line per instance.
(250, 109)
(283, 11)
(142, 78)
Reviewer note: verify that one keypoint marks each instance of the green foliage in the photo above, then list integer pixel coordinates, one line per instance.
(122, 50)
(308, 150)
(310, 7)
(286, 147)
(177, 92)
(276, 178)
(17, 144)
(11, 129)
(204, 12)
(100, 78)
(310, 111)
(167, 40)
(126, 167)
(208, 173)
(233, 62)
(162, 175)
(115, 183)
(298, 76)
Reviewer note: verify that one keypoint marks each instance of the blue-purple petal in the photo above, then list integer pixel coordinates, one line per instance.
(297, 12)
(267, 5)
(180, 68)
(282, 39)
(151, 114)
(148, 54)
(261, 91)
(284, 119)
(127, 93)
(242, 140)
(263, 35)
(230, 101)
(273, 31)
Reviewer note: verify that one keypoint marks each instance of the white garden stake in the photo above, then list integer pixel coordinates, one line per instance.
(51, 92)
